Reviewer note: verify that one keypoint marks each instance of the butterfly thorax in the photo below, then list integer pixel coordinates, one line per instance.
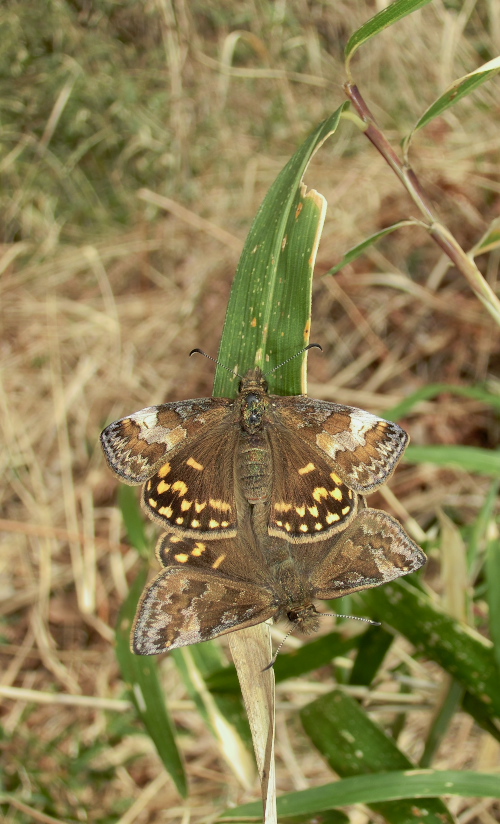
(253, 400)
(253, 456)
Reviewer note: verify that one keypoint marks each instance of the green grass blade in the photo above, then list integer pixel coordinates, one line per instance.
(133, 519)
(482, 529)
(461, 651)
(376, 788)
(269, 312)
(373, 646)
(489, 241)
(458, 89)
(441, 722)
(360, 248)
(140, 673)
(396, 11)
(493, 583)
(469, 458)
(432, 390)
(480, 712)
(354, 745)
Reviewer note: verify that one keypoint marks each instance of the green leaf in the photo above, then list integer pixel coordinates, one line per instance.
(469, 458)
(269, 314)
(327, 817)
(353, 745)
(358, 250)
(432, 390)
(141, 675)
(311, 656)
(458, 89)
(373, 646)
(441, 721)
(489, 241)
(482, 530)
(493, 583)
(381, 787)
(307, 658)
(133, 519)
(481, 714)
(461, 651)
(396, 11)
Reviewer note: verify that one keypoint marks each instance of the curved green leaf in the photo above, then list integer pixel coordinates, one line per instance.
(396, 11)
(458, 89)
(432, 390)
(374, 788)
(489, 241)
(469, 458)
(358, 250)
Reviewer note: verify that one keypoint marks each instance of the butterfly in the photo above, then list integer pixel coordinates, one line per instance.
(209, 588)
(203, 461)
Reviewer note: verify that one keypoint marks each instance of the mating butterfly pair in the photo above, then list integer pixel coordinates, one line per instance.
(262, 497)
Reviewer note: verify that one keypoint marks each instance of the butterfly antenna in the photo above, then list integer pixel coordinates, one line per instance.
(273, 659)
(223, 365)
(311, 346)
(352, 617)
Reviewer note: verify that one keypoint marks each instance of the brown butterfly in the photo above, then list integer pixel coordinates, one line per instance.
(203, 461)
(209, 588)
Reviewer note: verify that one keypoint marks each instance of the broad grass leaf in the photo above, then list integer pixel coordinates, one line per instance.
(380, 787)
(354, 745)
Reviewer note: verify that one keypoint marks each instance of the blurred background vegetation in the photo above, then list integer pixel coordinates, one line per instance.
(137, 140)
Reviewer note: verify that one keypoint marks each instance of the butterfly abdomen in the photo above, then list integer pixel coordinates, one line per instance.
(254, 467)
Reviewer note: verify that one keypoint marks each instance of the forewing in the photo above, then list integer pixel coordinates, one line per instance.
(185, 606)
(362, 448)
(136, 446)
(309, 501)
(373, 550)
(192, 493)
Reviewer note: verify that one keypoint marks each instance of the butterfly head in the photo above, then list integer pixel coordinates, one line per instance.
(305, 618)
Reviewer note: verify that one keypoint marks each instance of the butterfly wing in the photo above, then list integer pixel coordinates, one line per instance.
(135, 447)
(205, 590)
(362, 448)
(193, 493)
(309, 501)
(239, 559)
(373, 550)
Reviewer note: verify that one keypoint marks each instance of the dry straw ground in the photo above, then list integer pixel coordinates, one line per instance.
(103, 294)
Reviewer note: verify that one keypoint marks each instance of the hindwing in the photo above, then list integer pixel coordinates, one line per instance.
(373, 550)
